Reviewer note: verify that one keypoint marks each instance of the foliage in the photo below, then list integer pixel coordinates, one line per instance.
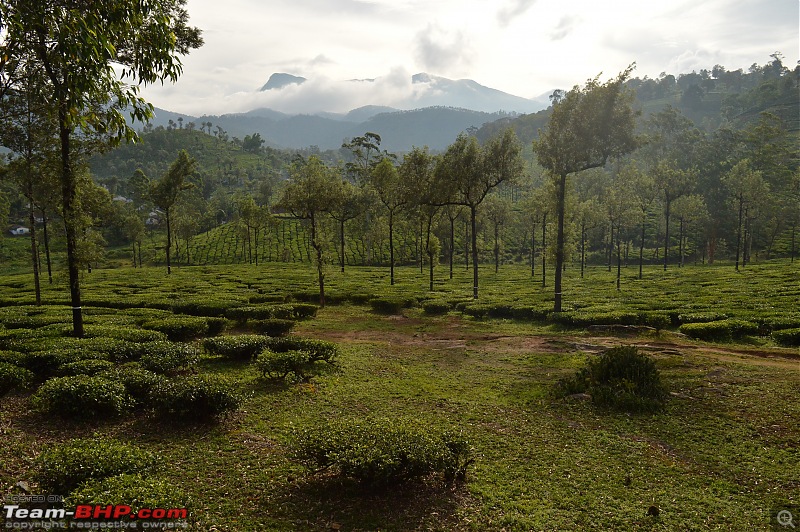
(787, 337)
(137, 381)
(272, 327)
(318, 350)
(387, 306)
(167, 357)
(179, 328)
(280, 365)
(194, 398)
(13, 377)
(82, 396)
(136, 489)
(237, 347)
(85, 367)
(720, 330)
(621, 378)
(433, 308)
(61, 468)
(382, 452)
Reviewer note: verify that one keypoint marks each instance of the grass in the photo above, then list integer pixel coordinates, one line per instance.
(719, 457)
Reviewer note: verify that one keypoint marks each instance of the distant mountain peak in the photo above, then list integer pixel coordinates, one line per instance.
(279, 80)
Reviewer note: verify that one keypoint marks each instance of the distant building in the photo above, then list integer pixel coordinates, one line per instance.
(19, 230)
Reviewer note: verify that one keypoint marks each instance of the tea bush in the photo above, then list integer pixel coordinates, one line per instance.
(13, 378)
(85, 367)
(318, 350)
(386, 306)
(128, 334)
(136, 489)
(81, 396)
(194, 398)
(179, 328)
(167, 357)
(787, 337)
(137, 381)
(434, 308)
(381, 451)
(237, 347)
(62, 467)
(621, 379)
(719, 331)
(272, 326)
(280, 365)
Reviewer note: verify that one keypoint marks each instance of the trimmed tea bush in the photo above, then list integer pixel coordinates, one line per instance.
(787, 337)
(81, 396)
(13, 378)
(280, 365)
(701, 317)
(61, 468)
(242, 314)
(436, 308)
(137, 381)
(621, 379)
(85, 367)
(381, 451)
(123, 333)
(239, 347)
(194, 398)
(272, 326)
(719, 331)
(137, 490)
(178, 328)
(318, 350)
(386, 306)
(167, 357)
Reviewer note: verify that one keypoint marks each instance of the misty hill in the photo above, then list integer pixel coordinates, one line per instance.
(279, 80)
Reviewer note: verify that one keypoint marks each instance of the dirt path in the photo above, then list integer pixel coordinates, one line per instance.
(455, 334)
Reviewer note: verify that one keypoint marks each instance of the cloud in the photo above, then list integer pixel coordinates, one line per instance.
(514, 9)
(441, 52)
(564, 27)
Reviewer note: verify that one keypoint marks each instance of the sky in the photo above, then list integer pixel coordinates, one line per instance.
(524, 47)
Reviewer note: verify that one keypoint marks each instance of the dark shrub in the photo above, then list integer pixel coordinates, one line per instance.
(318, 350)
(137, 490)
(529, 313)
(194, 398)
(242, 314)
(216, 326)
(280, 365)
(657, 320)
(238, 347)
(179, 328)
(82, 396)
(701, 317)
(621, 378)
(386, 306)
(129, 334)
(476, 310)
(787, 337)
(13, 378)
(719, 331)
(208, 308)
(137, 381)
(272, 326)
(434, 308)
(85, 367)
(61, 468)
(167, 357)
(381, 451)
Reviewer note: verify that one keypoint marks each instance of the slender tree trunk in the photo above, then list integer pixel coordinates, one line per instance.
(452, 243)
(610, 254)
(562, 188)
(68, 191)
(794, 228)
(133, 253)
(320, 271)
(473, 222)
(544, 250)
(169, 241)
(583, 246)
(739, 234)
(47, 247)
(641, 250)
(391, 247)
(619, 257)
(496, 248)
(681, 250)
(140, 253)
(666, 232)
(34, 247)
(466, 243)
(341, 242)
(533, 250)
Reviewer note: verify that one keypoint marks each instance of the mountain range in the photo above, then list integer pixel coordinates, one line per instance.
(433, 112)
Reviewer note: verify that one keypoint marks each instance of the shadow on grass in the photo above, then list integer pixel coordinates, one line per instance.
(329, 502)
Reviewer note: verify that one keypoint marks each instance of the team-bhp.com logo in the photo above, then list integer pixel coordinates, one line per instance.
(91, 516)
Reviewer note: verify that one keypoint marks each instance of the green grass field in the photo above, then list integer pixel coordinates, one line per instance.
(720, 456)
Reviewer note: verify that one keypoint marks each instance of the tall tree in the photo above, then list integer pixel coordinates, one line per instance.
(393, 193)
(94, 56)
(352, 204)
(746, 186)
(472, 172)
(588, 126)
(417, 171)
(309, 195)
(164, 192)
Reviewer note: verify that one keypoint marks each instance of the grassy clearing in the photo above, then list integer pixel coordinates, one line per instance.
(722, 453)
